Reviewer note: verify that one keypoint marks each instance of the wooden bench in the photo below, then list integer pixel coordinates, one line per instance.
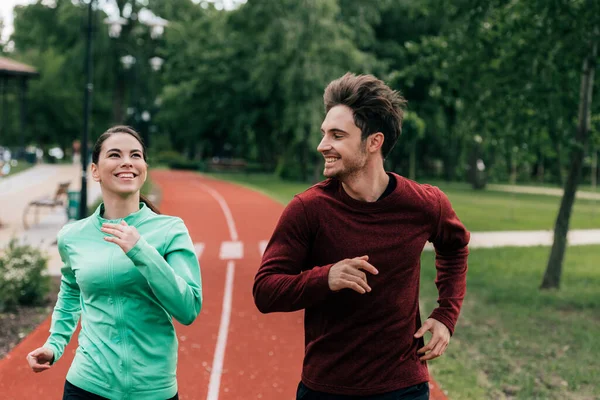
(227, 165)
(59, 200)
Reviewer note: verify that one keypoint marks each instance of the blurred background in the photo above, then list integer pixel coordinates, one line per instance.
(502, 115)
(496, 81)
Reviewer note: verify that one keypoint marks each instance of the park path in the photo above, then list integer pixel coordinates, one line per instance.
(581, 194)
(39, 181)
(232, 352)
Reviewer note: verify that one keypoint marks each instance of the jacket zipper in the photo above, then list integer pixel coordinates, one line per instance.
(121, 327)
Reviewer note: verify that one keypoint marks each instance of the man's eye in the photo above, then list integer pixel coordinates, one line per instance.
(338, 136)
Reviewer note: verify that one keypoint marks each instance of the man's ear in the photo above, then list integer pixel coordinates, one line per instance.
(95, 172)
(375, 142)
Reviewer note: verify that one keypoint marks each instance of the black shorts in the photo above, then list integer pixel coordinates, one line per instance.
(72, 392)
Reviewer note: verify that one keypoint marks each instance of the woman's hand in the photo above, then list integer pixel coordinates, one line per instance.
(123, 235)
(39, 360)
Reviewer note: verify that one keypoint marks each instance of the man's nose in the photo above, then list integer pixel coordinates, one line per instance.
(324, 145)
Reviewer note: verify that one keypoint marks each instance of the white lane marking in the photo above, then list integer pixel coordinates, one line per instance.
(199, 248)
(262, 245)
(217, 366)
(214, 383)
(226, 211)
(231, 251)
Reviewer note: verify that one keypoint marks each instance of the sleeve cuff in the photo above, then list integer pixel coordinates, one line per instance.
(55, 351)
(141, 243)
(444, 320)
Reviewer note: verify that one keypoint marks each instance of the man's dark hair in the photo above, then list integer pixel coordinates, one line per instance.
(375, 106)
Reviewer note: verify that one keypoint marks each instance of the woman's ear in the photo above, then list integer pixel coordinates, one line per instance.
(95, 172)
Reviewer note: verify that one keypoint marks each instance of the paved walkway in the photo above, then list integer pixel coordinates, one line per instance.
(16, 191)
(542, 190)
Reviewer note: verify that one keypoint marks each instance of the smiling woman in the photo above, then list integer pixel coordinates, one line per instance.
(129, 272)
(119, 165)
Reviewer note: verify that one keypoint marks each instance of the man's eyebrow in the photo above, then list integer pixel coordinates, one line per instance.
(334, 130)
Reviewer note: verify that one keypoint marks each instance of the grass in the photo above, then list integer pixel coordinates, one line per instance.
(21, 166)
(479, 210)
(512, 340)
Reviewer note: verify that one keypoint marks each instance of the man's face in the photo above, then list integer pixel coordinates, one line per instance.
(344, 152)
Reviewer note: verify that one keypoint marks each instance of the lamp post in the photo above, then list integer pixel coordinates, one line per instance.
(134, 62)
(87, 107)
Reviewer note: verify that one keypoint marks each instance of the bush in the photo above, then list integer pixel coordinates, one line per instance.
(175, 160)
(187, 164)
(23, 276)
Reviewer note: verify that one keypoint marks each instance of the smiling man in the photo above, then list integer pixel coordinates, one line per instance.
(348, 249)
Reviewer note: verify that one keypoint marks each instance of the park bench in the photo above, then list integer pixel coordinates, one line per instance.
(227, 164)
(59, 200)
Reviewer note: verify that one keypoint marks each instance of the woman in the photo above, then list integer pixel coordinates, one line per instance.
(128, 271)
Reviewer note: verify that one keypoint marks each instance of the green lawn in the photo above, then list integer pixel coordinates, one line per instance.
(479, 210)
(512, 340)
(21, 166)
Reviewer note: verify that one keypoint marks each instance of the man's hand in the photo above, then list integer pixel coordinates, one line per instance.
(348, 274)
(438, 342)
(39, 360)
(123, 235)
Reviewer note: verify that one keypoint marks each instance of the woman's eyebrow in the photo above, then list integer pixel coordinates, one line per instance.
(119, 150)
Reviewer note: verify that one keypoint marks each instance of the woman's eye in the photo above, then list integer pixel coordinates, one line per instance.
(136, 155)
(113, 155)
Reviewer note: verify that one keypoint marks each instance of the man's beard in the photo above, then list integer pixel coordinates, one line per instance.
(353, 168)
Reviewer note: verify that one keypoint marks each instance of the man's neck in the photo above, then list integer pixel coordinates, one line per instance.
(368, 185)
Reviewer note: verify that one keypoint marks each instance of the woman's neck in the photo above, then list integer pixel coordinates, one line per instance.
(116, 207)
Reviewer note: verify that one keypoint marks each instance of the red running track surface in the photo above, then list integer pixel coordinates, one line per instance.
(261, 355)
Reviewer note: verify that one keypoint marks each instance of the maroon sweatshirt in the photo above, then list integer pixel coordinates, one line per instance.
(363, 344)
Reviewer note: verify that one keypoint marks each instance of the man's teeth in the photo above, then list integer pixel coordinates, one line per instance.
(330, 159)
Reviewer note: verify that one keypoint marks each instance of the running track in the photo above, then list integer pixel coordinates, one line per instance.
(231, 352)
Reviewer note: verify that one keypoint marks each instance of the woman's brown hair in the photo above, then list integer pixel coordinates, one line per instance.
(130, 131)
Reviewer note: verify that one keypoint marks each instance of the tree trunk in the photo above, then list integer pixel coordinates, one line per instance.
(594, 180)
(554, 269)
(450, 156)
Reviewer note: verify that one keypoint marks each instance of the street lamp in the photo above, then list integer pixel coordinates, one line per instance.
(156, 63)
(156, 26)
(115, 25)
(128, 61)
(87, 108)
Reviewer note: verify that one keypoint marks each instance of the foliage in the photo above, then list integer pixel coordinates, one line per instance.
(252, 88)
(23, 275)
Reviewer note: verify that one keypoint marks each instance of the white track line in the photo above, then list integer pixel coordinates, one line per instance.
(217, 367)
(226, 211)
(216, 371)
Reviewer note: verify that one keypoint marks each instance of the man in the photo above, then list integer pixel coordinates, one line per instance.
(348, 250)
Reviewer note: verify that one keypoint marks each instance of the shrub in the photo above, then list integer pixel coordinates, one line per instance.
(23, 276)
(175, 160)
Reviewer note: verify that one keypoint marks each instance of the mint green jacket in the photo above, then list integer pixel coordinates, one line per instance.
(127, 302)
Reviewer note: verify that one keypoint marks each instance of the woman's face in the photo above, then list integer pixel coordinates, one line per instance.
(121, 167)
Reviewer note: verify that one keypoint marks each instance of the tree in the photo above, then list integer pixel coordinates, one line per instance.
(554, 269)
